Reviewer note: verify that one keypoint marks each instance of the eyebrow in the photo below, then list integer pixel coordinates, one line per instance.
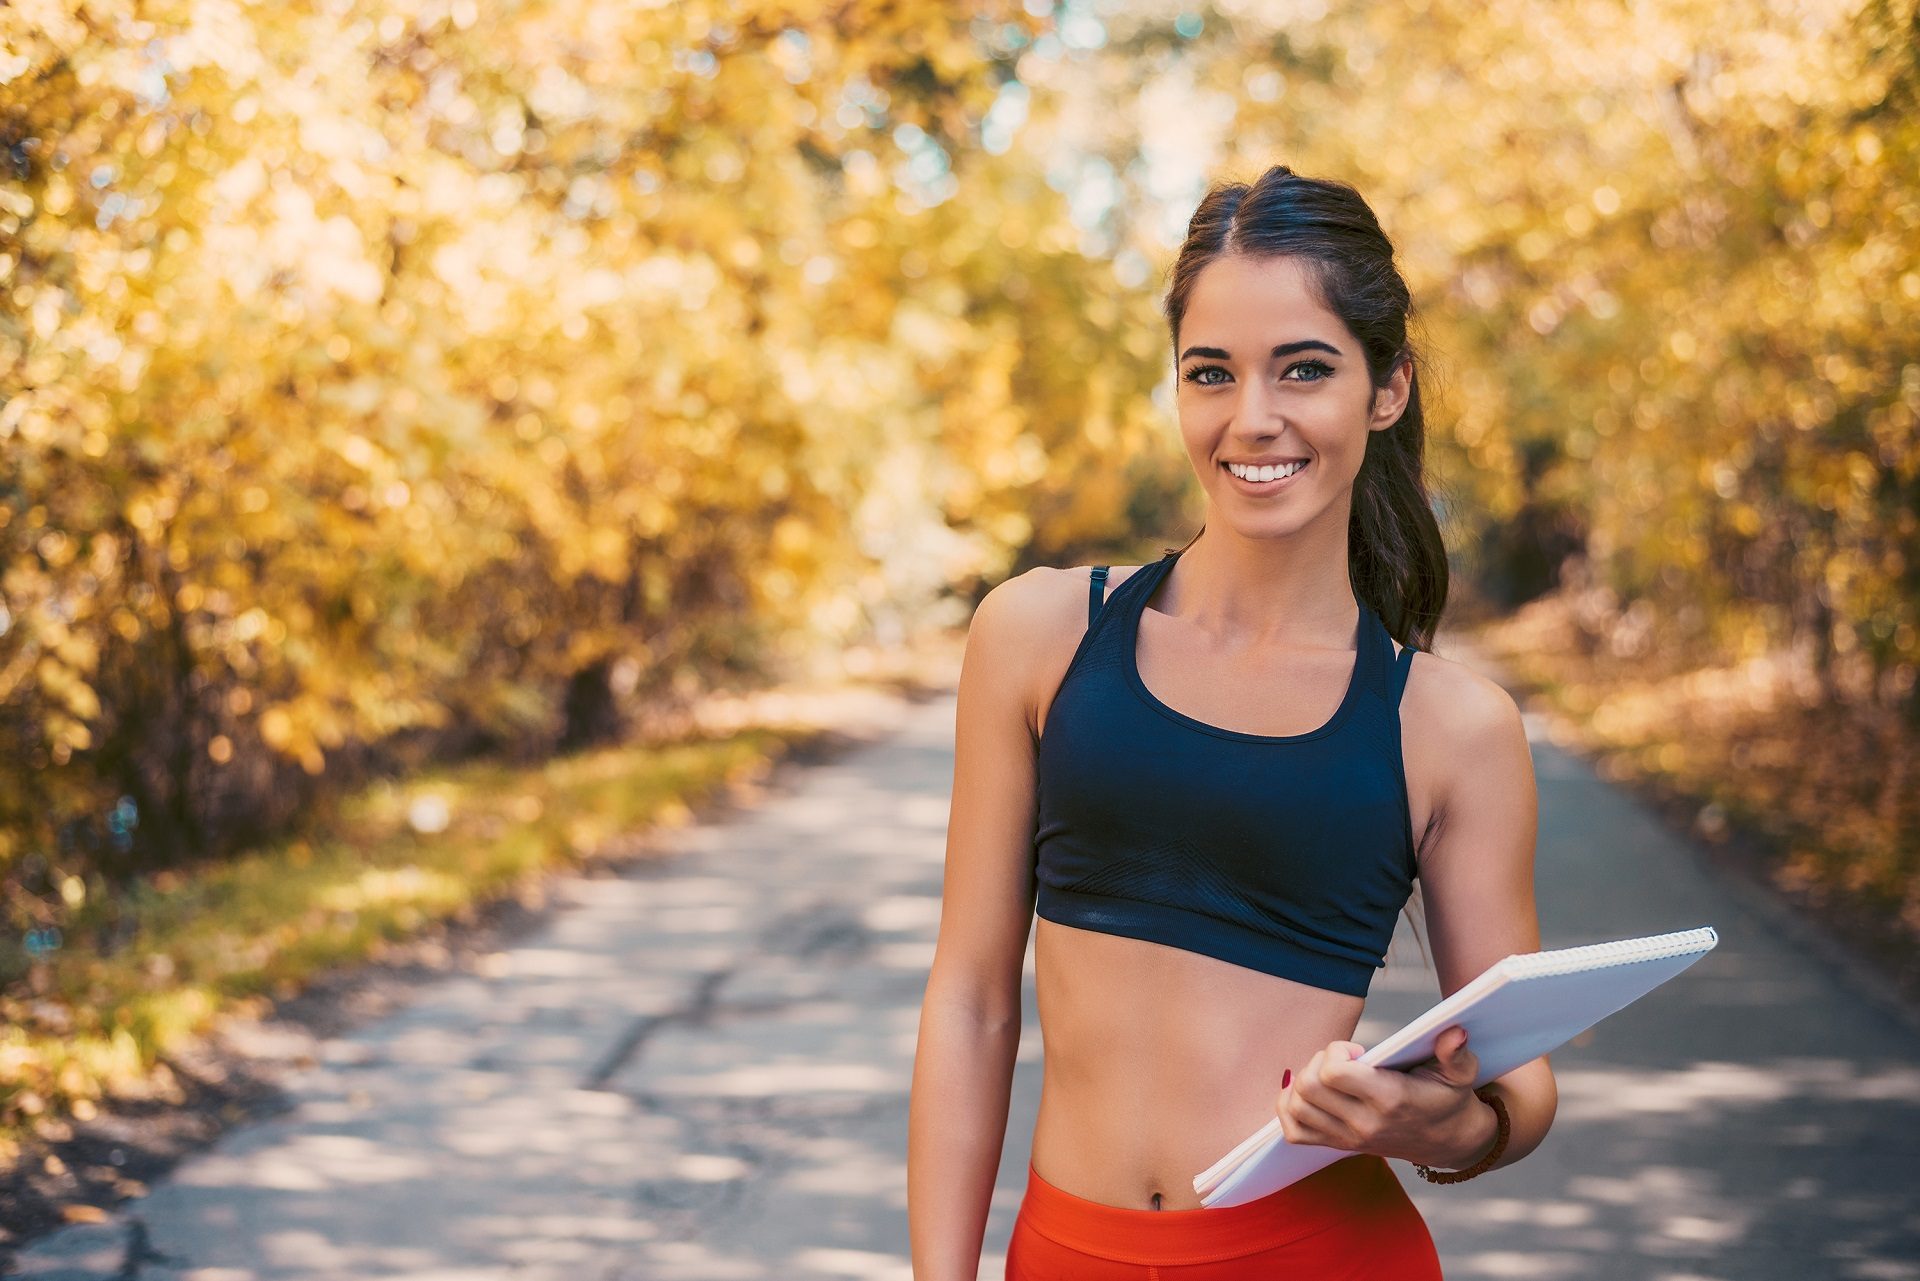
(1284, 349)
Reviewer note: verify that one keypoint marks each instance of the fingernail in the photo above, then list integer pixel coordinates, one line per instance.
(1285, 1077)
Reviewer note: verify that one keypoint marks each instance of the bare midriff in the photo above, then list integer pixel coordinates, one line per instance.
(1157, 1061)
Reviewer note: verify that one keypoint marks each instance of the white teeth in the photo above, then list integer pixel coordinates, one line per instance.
(1263, 473)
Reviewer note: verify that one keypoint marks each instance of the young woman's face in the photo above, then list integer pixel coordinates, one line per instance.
(1268, 375)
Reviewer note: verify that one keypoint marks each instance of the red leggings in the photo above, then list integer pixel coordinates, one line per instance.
(1350, 1221)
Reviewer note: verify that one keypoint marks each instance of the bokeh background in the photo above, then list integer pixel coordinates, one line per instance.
(409, 409)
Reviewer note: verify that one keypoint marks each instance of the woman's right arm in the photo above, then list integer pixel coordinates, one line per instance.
(970, 1015)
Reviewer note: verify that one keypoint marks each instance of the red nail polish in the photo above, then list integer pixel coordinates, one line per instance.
(1286, 1077)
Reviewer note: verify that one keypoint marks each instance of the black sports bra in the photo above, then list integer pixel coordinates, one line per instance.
(1289, 854)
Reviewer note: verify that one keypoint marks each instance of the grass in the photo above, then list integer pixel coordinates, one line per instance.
(232, 937)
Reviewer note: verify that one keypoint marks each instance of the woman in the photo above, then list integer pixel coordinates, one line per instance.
(1205, 775)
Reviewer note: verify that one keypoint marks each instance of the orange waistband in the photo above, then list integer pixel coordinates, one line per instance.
(1205, 1235)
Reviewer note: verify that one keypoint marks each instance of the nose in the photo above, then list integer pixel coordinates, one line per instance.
(1252, 419)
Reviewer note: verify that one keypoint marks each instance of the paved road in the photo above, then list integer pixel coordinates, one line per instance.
(700, 1070)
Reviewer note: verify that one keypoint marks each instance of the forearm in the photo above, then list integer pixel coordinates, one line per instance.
(956, 1124)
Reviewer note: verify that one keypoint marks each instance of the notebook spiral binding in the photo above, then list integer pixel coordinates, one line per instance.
(1593, 956)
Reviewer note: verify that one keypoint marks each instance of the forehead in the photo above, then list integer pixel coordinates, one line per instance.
(1254, 298)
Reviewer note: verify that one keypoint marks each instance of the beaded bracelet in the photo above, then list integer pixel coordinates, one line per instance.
(1502, 1128)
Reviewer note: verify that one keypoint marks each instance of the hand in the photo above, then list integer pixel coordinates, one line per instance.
(1426, 1113)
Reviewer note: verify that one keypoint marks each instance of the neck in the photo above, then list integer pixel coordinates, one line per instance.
(1287, 590)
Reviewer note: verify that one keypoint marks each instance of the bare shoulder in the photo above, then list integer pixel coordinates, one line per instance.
(1030, 608)
(1466, 728)
(1465, 707)
(1027, 627)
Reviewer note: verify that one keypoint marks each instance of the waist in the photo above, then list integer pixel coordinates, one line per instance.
(1355, 1187)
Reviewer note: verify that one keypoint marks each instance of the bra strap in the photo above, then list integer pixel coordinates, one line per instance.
(1096, 592)
(1401, 666)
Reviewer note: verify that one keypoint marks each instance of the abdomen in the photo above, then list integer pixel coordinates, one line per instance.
(1158, 1060)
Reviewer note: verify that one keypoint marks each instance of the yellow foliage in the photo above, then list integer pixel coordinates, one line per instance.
(379, 377)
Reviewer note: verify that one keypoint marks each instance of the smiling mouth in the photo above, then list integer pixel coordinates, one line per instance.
(1265, 486)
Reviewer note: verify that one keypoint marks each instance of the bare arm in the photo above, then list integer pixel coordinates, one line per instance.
(970, 1016)
(1477, 869)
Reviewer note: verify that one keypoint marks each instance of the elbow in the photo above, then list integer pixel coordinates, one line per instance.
(976, 1013)
(1539, 1097)
(984, 997)
(1532, 1098)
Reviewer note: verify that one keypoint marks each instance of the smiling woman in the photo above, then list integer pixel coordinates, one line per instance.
(1216, 784)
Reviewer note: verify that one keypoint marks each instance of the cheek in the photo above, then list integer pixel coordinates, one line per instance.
(1197, 433)
(1205, 411)
(1337, 432)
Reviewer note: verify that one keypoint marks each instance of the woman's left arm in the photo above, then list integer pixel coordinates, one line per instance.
(1476, 871)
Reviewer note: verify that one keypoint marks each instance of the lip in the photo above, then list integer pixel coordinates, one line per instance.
(1261, 487)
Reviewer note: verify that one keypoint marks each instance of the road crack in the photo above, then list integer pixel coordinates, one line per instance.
(693, 1012)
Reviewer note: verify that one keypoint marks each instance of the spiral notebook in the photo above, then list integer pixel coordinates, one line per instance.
(1517, 1009)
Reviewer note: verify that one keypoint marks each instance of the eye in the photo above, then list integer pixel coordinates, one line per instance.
(1322, 366)
(1193, 375)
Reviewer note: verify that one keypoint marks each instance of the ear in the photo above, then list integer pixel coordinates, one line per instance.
(1390, 401)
